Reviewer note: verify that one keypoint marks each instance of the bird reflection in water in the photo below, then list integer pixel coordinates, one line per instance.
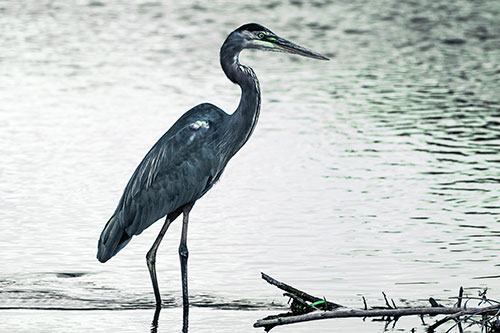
(156, 317)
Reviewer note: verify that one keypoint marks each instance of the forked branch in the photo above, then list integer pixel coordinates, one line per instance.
(306, 307)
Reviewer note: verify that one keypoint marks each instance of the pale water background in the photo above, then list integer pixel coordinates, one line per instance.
(376, 171)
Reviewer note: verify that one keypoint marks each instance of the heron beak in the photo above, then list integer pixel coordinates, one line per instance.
(283, 45)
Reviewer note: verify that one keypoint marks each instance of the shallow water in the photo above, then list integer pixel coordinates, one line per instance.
(376, 171)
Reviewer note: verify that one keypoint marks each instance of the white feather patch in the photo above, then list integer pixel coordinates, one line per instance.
(199, 124)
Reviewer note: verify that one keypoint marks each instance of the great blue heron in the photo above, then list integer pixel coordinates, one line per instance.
(191, 156)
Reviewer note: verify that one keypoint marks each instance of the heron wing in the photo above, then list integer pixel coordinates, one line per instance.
(178, 170)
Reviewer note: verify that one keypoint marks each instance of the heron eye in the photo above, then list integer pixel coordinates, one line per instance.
(260, 35)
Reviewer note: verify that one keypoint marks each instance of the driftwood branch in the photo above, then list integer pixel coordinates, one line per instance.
(307, 307)
(298, 293)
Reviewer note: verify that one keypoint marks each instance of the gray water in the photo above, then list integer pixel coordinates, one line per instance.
(376, 171)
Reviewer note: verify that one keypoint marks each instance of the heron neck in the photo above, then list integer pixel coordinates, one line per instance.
(244, 119)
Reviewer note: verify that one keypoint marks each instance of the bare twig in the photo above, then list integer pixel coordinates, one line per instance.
(460, 295)
(386, 301)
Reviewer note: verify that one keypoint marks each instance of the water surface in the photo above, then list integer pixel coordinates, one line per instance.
(376, 171)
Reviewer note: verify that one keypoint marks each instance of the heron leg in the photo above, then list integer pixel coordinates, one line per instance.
(151, 257)
(183, 256)
(151, 261)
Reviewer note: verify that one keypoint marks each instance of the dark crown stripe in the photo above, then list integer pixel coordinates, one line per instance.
(251, 27)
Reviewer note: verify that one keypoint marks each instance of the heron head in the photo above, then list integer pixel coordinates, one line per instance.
(255, 36)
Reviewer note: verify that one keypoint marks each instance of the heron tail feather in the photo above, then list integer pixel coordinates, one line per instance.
(113, 239)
